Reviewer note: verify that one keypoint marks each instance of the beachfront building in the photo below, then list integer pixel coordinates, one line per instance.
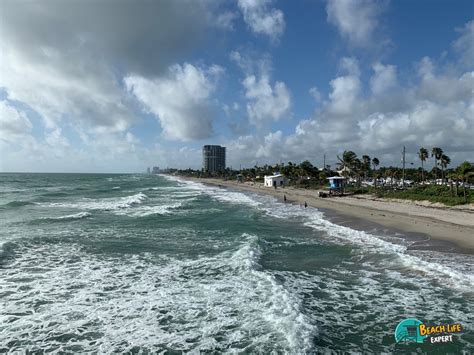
(274, 180)
(213, 158)
(336, 184)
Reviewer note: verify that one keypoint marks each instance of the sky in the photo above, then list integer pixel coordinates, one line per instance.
(118, 86)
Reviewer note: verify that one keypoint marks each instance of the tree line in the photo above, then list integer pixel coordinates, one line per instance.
(351, 166)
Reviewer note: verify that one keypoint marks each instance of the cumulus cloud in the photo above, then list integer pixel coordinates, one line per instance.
(356, 20)
(437, 110)
(13, 123)
(465, 43)
(345, 89)
(57, 89)
(66, 60)
(262, 19)
(180, 100)
(266, 101)
(384, 78)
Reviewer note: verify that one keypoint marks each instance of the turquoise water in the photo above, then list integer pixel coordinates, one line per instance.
(141, 263)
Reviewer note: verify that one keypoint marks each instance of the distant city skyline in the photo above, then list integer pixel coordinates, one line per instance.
(96, 86)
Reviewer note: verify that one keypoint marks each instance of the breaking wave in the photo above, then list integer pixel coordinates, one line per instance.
(69, 217)
(115, 305)
(107, 204)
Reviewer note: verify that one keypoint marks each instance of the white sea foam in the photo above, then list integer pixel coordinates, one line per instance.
(335, 233)
(356, 300)
(217, 193)
(144, 211)
(106, 204)
(108, 304)
(79, 215)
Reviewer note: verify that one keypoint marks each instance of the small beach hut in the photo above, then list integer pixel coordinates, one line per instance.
(274, 180)
(336, 184)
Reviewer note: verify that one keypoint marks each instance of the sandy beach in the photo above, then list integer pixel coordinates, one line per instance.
(451, 225)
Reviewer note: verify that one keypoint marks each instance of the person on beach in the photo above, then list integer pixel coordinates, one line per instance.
(284, 198)
(305, 205)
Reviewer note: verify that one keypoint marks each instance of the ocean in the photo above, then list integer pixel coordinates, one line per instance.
(146, 264)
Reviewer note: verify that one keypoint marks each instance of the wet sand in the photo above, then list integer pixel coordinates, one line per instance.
(444, 229)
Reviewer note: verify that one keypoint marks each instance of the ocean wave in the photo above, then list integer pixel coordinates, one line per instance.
(221, 303)
(14, 204)
(107, 204)
(282, 309)
(368, 242)
(145, 211)
(74, 216)
(219, 194)
(365, 241)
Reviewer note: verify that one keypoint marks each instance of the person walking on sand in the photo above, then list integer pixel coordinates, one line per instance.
(284, 198)
(305, 205)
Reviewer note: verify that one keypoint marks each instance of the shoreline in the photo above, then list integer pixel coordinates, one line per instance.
(444, 229)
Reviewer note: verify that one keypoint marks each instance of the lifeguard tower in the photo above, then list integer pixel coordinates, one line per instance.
(336, 185)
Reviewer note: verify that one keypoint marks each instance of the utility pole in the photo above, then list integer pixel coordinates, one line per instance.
(403, 159)
(324, 162)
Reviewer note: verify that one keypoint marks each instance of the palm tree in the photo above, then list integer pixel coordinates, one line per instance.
(366, 165)
(436, 153)
(423, 154)
(465, 171)
(445, 161)
(348, 160)
(375, 162)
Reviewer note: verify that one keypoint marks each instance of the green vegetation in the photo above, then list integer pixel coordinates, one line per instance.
(440, 184)
(448, 194)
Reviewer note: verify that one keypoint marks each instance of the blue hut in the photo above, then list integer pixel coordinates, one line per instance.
(336, 184)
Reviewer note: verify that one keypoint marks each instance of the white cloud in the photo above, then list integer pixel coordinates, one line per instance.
(356, 20)
(271, 143)
(315, 93)
(465, 43)
(266, 102)
(13, 123)
(262, 19)
(350, 65)
(180, 100)
(344, 95)
(82, 91)
(61, 58)
(384, 78)
(226, 20)
(438, 110)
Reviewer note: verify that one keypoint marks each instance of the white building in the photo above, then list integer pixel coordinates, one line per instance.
(274, 180)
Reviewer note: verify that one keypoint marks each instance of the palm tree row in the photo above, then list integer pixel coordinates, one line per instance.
(351, 165)
(440, 159)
